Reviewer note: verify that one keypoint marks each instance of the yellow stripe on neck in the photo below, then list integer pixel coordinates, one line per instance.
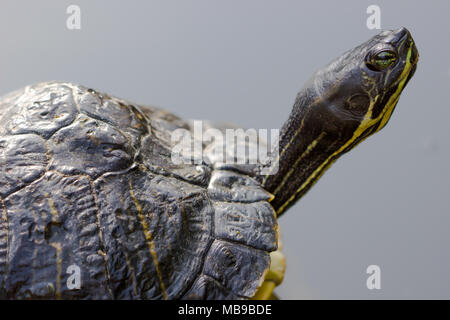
(310, 147)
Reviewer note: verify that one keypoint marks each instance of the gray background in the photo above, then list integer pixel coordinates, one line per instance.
(385, 203)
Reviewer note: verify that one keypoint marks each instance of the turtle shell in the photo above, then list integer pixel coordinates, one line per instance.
(87, 184)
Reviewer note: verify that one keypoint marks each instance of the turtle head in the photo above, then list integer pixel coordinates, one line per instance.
(355, 94)
(342, 104)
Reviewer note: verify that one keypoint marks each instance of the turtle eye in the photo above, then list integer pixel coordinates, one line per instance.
(382, 60)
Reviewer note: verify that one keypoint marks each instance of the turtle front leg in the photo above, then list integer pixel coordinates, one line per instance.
(274, 276)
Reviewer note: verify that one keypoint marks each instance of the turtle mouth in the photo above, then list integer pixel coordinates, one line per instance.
(414, 53)
(412, 70)
(413, 60)
(408, 75)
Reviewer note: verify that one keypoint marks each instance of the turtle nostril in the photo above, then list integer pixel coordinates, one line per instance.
(401, 31)
(400, 35)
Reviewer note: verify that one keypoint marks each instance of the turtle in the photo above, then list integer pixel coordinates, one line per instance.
(94, 206)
